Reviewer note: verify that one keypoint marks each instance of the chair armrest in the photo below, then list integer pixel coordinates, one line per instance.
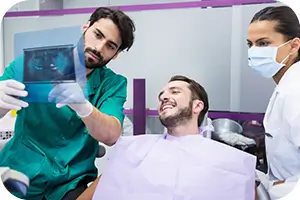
(101, 151)
(262, 193)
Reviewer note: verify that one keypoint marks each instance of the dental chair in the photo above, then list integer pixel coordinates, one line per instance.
(101, 151)
(15, 182)
(262, 193)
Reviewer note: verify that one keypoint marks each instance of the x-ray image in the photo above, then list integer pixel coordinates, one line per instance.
(52, 64)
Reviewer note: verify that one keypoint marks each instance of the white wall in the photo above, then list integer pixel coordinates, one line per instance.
(25, 5)
(180, 52)
(84, 3)
(197, 44)
(96, 3)
(210, 46)
(133, 2)
(1, 49)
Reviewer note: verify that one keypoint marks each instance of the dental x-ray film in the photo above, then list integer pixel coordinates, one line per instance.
(51, 64)
(48, 69)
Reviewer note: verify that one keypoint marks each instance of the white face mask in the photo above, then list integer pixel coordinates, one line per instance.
(263, 60)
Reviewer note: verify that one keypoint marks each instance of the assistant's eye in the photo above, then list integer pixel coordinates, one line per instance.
(263, 43)
(249, 44)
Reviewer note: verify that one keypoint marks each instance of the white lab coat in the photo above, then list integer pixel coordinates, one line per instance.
(282, 122)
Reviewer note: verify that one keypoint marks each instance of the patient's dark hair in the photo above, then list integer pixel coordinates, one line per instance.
(197, 92)
(121, 20)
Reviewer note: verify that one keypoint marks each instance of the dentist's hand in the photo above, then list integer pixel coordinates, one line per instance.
(72, 95)
(10, 91)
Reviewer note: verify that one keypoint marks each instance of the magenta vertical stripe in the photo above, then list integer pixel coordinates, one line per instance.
(139, 106)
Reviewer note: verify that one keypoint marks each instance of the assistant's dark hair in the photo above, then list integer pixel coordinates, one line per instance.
(197, 92)
(287, 21)
(122, 21)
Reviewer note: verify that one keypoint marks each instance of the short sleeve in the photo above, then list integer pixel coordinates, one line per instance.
(14, 70)
(8, 72)
(114, 104)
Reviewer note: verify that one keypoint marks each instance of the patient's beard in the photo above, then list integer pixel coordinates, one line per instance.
(180, 118)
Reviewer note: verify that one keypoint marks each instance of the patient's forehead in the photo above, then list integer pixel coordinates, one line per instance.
(176, 85)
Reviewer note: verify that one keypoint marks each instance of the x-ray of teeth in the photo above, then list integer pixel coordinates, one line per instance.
(52, 64)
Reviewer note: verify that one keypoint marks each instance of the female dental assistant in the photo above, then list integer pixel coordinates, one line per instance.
(274, 52)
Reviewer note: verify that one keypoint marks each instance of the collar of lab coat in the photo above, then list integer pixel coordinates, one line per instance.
(289, 78)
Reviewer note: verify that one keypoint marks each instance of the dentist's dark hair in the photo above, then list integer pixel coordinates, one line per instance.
(198, 93)
(287, 22)
(124, 23)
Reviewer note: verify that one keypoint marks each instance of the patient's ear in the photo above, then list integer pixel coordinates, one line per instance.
(85, 26)
(197, 106)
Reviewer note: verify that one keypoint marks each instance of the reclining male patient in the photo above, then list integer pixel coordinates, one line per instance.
(180, 164)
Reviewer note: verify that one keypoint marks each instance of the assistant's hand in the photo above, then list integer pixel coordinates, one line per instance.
(71, 94)
(10, 91)
(278, 182)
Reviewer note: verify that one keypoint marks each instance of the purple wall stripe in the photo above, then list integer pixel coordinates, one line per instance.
(214, 114)
(132, 8)
(139, 106)
(236, 115)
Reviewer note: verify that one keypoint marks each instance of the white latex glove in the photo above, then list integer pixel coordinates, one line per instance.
(279, 191)
(72, 95)
(264, 179)
(236, 139)
(10, 91)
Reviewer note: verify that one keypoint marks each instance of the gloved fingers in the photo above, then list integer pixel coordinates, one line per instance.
(70, 99)
(56, 92)
(62, 99)
(73, 94)
(66, 93)
(9, 89)
(53, 94)
(15, 84)
(59, 105)
(72, 89)
(7, 106)
(12, 103)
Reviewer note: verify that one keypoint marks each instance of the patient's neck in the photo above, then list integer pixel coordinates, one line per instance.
(189, 128)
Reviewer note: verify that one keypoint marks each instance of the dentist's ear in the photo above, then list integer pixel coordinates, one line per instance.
(85, 26)
(116, 55)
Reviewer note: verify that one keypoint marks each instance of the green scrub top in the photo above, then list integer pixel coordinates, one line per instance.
(52, 146)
